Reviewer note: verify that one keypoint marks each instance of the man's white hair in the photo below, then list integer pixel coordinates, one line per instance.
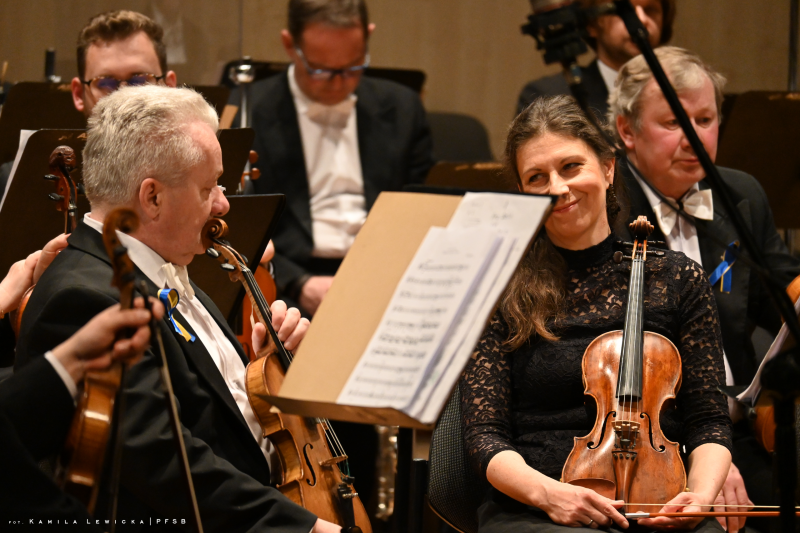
(142, 132)
(683, 68)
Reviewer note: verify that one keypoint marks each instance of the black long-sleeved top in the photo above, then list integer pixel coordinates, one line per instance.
(531, 400)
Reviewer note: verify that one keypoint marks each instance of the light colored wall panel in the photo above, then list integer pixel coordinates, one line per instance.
(472, 50)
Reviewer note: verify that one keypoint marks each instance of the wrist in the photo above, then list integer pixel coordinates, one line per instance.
(69, 360)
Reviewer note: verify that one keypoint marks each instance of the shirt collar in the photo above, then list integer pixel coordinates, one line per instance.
(609, 75)
(144, 257)
(651, 196)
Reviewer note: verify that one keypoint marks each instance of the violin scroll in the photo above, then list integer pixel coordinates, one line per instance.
(641, 228)
(126, 221)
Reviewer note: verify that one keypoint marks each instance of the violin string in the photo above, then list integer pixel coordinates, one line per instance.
(261, 302)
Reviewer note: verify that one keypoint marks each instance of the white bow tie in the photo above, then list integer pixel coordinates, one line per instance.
(335, 115)
(698, 204)
(178, 279)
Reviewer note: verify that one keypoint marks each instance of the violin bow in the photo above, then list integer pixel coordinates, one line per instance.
(712, 514)
(157, 343)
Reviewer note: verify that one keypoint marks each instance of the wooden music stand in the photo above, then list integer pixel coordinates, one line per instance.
(761, 138)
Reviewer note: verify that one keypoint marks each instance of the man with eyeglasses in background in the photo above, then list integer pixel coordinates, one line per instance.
(115, 48)
(331, 140)
(118, 48)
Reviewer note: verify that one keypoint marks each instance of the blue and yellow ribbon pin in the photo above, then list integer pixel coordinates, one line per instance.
(723, 270)
(170, 299)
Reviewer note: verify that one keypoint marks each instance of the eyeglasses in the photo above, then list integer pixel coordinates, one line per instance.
(109, 84)
(327, 74)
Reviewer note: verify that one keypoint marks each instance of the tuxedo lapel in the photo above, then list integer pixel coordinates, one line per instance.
(91, 242)
(284, 139)
(205, 366)
(639, 206)
(373, 119)
(712, 252)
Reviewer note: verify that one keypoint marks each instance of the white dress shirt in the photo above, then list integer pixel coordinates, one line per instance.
(609, 75)
(683, 238)
(333, 166)
(208, 332)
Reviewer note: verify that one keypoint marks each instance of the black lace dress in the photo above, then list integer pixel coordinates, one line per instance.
(531, 400)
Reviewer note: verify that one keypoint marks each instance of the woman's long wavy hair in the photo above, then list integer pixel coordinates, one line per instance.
(536, 292)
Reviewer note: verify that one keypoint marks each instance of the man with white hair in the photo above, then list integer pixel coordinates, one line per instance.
(657, 146)
(154, 149)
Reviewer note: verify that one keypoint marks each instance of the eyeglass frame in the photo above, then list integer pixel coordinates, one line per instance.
(156, 78)
(345, 73)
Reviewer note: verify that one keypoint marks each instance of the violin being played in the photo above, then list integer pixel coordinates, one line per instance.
(173, 199)
(314, 466)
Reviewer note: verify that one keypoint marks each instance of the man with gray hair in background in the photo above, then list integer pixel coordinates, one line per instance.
(154, 150)
(657, 146)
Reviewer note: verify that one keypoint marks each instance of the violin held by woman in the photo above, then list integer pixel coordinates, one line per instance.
(527, 401)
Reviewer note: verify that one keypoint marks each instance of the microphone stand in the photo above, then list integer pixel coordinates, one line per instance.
(557, 32)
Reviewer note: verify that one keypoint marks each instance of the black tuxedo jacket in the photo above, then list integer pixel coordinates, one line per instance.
(35, 414)
(596, 89)
(231, 475)
(394, 143)
(748, 304)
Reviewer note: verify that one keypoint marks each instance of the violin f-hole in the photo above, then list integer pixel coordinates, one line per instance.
(313, 480)
(661, 448)
(593, 446)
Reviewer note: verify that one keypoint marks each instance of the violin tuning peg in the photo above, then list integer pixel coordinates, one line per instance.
(81, 190)
(55, 197)
(211, 252)
(227, 267)
(244, 259)
(619, 257)
(50, 177)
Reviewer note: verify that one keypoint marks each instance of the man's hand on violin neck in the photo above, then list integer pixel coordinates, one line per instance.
(290, 326)
(733, 493)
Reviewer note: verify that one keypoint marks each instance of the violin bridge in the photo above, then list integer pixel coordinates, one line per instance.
(333, 460)
(626, 435)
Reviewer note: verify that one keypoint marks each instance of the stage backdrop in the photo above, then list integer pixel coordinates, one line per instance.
(472, 50)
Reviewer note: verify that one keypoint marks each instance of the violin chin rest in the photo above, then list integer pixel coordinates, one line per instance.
(603, 487)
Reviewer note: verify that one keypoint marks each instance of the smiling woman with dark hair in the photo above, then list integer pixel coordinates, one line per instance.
(522, 391)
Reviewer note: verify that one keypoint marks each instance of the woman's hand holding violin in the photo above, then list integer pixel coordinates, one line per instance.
(685, 502)
(574, 506)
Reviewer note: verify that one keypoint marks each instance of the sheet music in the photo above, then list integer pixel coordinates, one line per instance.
(24, 135)
(514, 217)
(750, 395)
(423, 312)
